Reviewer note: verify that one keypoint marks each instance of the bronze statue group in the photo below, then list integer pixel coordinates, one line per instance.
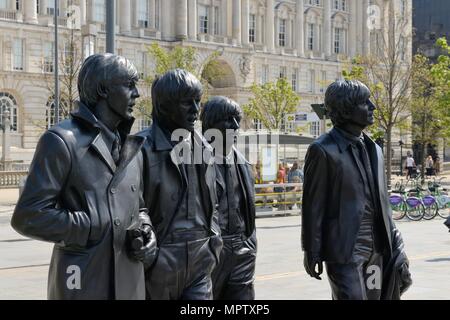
(162, 215)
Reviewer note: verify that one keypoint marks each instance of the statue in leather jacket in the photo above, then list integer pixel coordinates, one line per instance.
(84, 190)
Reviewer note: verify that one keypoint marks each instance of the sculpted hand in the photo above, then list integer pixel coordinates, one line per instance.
(406, 280)
(149, 251)
(310, 261)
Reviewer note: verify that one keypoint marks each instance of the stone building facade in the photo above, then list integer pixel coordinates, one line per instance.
(306, 41)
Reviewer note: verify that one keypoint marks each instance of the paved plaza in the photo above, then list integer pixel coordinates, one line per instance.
(279, 273)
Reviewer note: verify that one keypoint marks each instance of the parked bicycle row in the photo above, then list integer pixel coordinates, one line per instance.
(416, 200)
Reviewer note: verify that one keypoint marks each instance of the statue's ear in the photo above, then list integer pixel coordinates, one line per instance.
(102, 91)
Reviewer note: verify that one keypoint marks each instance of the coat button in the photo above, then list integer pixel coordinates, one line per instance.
(133, 188)
(113, 190)
(117, 222)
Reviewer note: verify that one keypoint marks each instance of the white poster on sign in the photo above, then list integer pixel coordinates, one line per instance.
(269, 163)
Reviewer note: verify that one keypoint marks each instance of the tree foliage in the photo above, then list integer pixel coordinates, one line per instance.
(272, 101)
(186, 58)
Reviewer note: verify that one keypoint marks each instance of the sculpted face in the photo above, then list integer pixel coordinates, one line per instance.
(362, 115)
(122, 95)
(182, 115)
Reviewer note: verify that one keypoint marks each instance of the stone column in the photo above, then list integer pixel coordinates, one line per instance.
(223, 16)
(237, 21)
(30, 11)
(327, 27)
(245, 22)
(152, 14)
(43, 5)
(165, 21)
(351, 40)
(366, 30)
(192, 19)
(300, 22)
(289, 33)
(63, 8)
(82, 12)
(12, 5)
(181, 23)
(212, 18)
(125, 16)
(317, 36)
(270, 23)
(259, 27)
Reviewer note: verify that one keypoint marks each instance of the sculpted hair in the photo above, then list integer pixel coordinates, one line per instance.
(100, 71)
(171, 88)
(342, 97)
(218, 109)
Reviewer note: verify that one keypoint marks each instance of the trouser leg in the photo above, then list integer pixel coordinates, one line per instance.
(165, 279)
(239, 268)
(201, 262)
(358, 280)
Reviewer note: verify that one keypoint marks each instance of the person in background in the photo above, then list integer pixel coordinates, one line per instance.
(410, 165)
(429, 166)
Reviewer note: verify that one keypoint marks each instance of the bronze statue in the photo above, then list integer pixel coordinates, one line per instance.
(346, 217)
(234, 276)
(180, 193)
(84, 190)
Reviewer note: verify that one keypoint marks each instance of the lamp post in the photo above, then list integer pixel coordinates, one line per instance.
(56, 96)
(110, 26)
(401, 155)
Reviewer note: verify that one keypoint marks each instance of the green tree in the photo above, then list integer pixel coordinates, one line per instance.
(271, 102)
(387, 73)
(441, 78)
(179, 57)
(426, 114)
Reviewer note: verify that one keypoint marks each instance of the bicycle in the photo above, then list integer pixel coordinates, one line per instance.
(442, 198)
(403, 204)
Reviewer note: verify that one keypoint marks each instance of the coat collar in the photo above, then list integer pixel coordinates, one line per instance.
(343, 139)
(130, 147)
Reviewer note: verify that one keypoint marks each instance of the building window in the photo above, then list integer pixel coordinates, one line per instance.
(337, 40)
(50, 8)
(324, 81)
(282, 72)
(336, 4)
(294, 80)
(310, 36)
(38, 6)
(144, 123)
(282, 33)
(141, 63)
(69, 57)
(3, 4)
(257, 124)
(203, 17)
(18, 55)
(343, 5)
(50, 112)
(314, 3)
(312, 81)
(99, 11)
(7, 102)
(315, 128)
(264, 74)
(48, 57)
(18, 5)
(252, 28)
(143, 14)
(402, 46)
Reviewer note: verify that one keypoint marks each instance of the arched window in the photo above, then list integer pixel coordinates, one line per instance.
(7, 102)
(50, 112)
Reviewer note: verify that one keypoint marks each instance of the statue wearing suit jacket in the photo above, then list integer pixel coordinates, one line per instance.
(346, 217)
(233, 277)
